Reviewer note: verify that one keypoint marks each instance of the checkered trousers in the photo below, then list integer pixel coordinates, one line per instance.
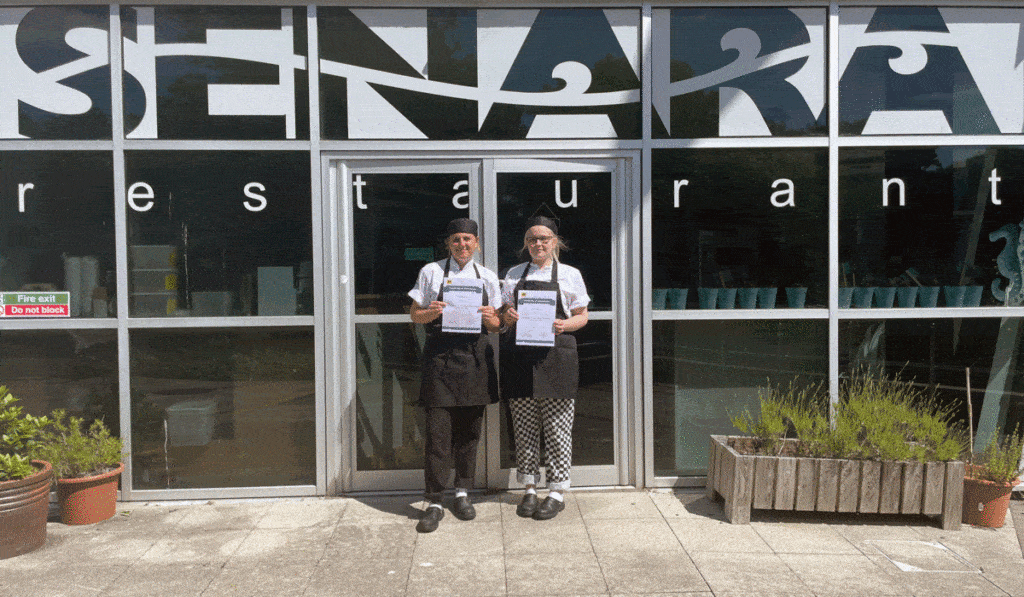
(554, 418)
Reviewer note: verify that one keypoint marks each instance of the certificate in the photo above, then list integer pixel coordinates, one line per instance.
(464, 297)
(536, 326)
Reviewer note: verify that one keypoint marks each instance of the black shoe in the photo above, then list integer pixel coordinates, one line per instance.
(528, 506)
(549, 508)
(428, 522)
(463, 509)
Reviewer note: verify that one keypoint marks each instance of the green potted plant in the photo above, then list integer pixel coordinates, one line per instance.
(87, 464)
(988, 483)
(24, 483)
(886, 449)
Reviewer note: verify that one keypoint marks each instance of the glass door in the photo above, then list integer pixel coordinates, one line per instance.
(586, 197)
(399, 211)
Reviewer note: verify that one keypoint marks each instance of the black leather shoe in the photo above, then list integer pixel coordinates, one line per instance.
(528, 506)
(549, 508)
(428, 522)
(463, 509)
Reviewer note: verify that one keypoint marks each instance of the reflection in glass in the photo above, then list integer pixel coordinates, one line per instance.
(937, 353)
(585, 224)
(57, 231)
(222, 408)
(593, 437)
(71, 369)
(389, 424)
(398, 227)
(739, 228)
(705, 371)
(714, 50)
(934, 226)
(219, 233)
(221, 72)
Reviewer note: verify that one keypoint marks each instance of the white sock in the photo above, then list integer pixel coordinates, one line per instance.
(531, 490)
(555, 495)
(459, 492)
(435, 505)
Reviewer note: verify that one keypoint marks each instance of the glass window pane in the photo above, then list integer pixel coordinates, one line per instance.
(930, 226)
(705, 371)
(71, 369)
(585, 223)
(926, 70)
(57, 227)
(66, 43)
(219, 233)
(937, 354)
(460, 73)
(222, 408)
(215, 72)
(740, 228)
(712, 77)
(398, 226)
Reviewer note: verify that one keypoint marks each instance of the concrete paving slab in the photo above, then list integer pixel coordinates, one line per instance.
(138, 519)
(703, 534)
(224, 516)
(940, 584)
(163, 580)
(644, 572)
(862, 536)
(804, 538)
(523, 536)
(212, 548)
(306, 512)
(359, 578)
(843, 575)
(304, 545)
(1009, 578)
(748, 573)
(554, 574)
(610, 536)
(84, 548)
(62, 580)
(259, 580)
(383, 508)
(921, 556)
(458, 577)
(368, 540)
(616, 504)
(672, 504)
(455, 538)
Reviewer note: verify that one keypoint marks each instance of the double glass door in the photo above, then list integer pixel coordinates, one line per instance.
(391, 219)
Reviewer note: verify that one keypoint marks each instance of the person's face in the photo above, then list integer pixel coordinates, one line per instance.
(541, 241)
(461, 246)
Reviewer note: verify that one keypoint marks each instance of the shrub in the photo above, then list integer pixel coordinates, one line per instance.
(76, 453)
(18, 438)
(1000, 462)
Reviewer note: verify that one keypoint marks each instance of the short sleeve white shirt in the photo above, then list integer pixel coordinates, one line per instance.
(570, 283)
(428, 283)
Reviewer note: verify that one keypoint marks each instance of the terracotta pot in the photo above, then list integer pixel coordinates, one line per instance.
(86, 500)
(24, 506)
(986, 502)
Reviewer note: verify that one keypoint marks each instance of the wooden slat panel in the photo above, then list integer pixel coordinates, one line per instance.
(913, 488)
(806, 488)
(828, 485)
(934, 483)
(785, 484)
(710, 488)
(889, 491)
(849, 485)
(726, 468)
(764, 481)
(742, 490)
(952, 502)
(870, 481)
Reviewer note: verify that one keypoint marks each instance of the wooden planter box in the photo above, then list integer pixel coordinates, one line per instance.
(830, 485)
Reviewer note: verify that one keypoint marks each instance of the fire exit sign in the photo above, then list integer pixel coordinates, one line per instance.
(35, 304)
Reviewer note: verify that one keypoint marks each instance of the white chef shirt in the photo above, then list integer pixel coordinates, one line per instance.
(428, 283)
(570, 283)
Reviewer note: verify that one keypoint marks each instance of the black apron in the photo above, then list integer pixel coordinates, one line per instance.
(550, 372)
(458, 369)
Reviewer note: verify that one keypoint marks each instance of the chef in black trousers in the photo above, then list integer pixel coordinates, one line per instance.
(540, 383)
(459, 378)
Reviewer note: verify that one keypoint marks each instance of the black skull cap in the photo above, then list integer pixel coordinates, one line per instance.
(542, 221)
(459, 225)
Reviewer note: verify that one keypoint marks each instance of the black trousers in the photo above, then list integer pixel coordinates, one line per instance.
(452, 436)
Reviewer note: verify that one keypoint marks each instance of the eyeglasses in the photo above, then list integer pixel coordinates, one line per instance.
(539, 239)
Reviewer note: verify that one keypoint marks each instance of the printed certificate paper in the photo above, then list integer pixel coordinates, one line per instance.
(464, 296)
(536, 318)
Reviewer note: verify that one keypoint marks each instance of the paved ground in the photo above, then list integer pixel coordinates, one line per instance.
(604, 543)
